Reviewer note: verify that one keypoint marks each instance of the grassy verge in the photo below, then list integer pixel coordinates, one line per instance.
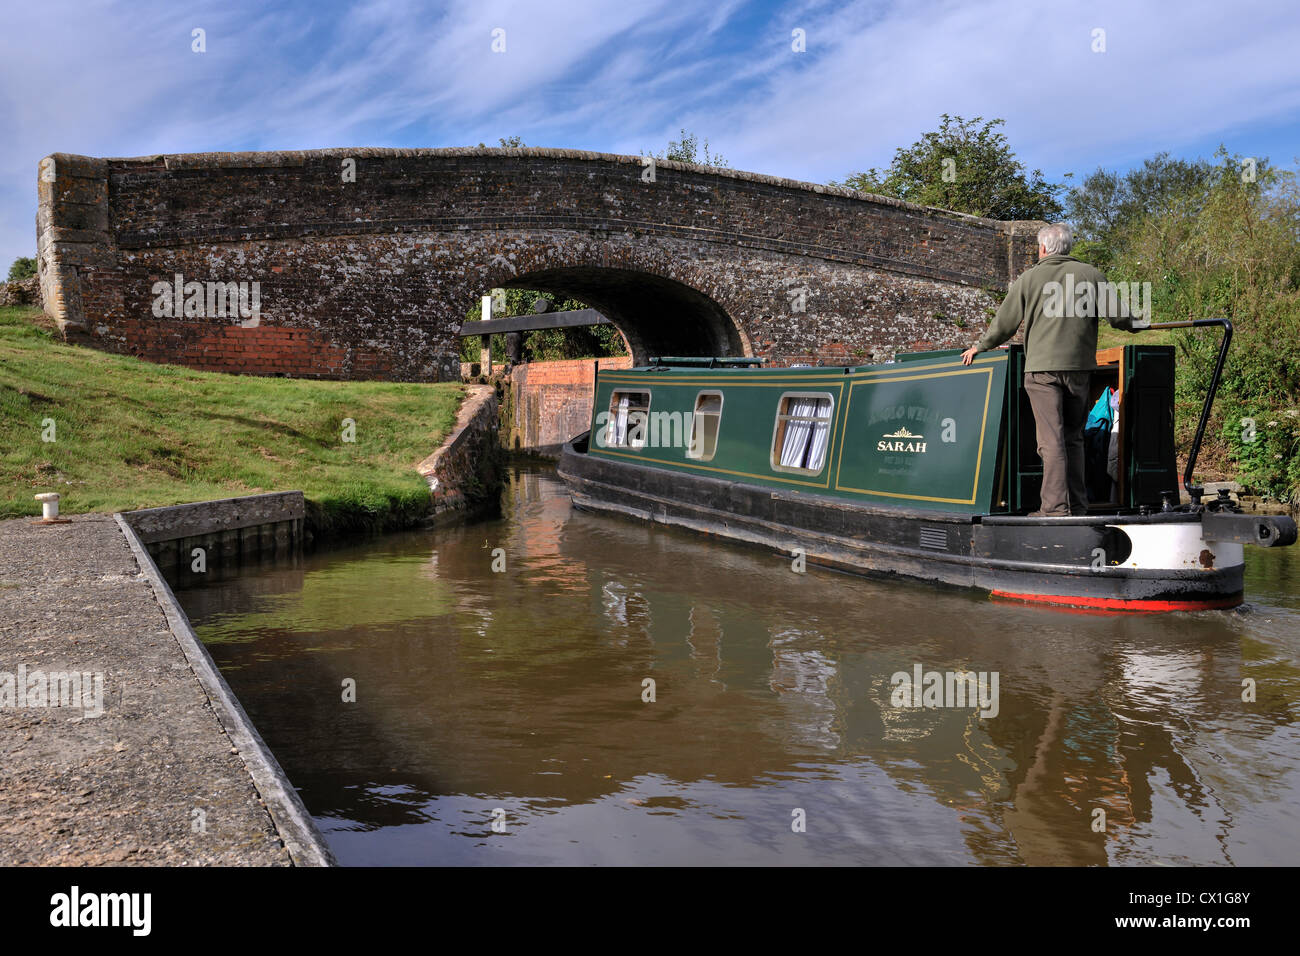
(132, 434)
(1108, 337)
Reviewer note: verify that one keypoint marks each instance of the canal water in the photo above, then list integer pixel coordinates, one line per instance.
(504, 716)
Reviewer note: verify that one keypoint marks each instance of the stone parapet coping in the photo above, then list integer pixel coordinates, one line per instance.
(290, 158)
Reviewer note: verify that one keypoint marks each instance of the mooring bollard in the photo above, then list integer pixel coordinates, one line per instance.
(50, 509)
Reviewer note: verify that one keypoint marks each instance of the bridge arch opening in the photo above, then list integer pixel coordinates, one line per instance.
(655, 314)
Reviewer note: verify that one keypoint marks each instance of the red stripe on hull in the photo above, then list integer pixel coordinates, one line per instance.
(1132, 606)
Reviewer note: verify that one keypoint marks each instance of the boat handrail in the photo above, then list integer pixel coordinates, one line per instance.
(703, 361)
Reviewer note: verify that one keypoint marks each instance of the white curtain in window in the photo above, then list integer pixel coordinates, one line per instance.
(620, 420)
(821, 433)
(794, 448)
(805, 442)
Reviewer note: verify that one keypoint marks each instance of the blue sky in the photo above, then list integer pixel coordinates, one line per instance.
(106, 78)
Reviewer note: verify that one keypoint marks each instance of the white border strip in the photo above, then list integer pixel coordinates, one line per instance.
(299, 832)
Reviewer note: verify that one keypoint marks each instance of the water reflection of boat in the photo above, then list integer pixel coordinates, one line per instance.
(517, 690)
(924, 468)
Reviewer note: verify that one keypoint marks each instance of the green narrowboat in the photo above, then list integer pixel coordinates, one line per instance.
(924, 468)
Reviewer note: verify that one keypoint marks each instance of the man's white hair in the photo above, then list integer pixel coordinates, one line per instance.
(1056, 239)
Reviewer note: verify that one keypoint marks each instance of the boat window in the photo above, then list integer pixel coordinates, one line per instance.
(803, 431)
(629, 415)
(704, 426)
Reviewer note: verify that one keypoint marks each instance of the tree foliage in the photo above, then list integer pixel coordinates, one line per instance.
(689, 149)
(1214, 240)
(967, 166)
(507, 142)
(24, 267)
(1107, 205)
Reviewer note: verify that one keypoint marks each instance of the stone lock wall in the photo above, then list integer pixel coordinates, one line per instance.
(229, 530)
(550, 402)
(465, 472)
(367, 261)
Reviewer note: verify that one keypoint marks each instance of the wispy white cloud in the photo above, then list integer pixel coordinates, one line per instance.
(882, 80)
(119, 78)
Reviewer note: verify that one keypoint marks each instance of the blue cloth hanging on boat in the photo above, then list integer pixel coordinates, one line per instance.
(1096, 441)
(1101, 414)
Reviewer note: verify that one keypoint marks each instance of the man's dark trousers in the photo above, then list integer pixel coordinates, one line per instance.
(1060, 403)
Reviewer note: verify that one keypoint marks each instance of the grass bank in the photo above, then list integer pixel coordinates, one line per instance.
(131, 434)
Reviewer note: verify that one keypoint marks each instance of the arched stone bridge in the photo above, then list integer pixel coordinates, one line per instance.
(367, 260)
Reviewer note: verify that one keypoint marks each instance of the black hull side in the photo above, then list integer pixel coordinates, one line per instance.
(1050, 561)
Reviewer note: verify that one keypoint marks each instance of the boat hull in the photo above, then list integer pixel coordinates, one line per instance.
(1126, 563)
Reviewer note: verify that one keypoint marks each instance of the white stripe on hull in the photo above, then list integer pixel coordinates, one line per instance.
(1178, 547)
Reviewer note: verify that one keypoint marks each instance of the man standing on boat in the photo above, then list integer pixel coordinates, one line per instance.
(1060, 356)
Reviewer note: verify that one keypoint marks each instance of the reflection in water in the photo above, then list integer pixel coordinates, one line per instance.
(522, 692)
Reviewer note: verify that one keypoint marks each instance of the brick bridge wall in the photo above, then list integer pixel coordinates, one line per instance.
(373, 278)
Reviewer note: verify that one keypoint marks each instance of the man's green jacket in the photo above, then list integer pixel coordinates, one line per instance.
(1060, 322)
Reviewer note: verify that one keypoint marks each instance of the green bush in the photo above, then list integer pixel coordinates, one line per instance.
(1261, 384)
(1213, 246)
(24, 267)
(1265, 445)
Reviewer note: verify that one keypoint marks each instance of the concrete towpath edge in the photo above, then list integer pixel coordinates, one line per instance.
(302, 838)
